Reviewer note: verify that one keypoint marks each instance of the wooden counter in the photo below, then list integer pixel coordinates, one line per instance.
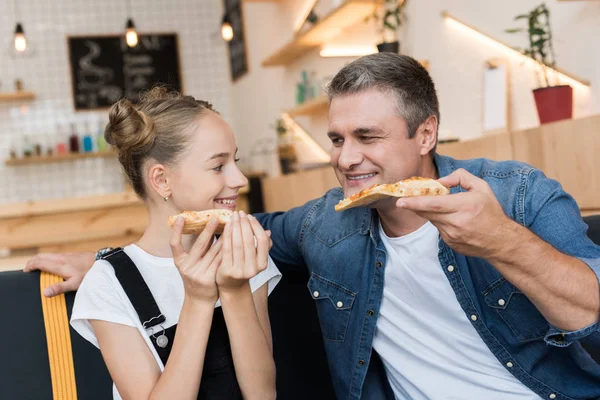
(565, 151)
(75, 224)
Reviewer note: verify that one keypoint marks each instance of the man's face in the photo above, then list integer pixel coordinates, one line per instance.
(370, 143)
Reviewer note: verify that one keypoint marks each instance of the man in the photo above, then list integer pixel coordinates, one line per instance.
(483, 294)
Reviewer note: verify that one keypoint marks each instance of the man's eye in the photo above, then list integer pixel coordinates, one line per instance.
(336, 140)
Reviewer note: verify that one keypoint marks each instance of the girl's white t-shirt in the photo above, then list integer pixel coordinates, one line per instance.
(102, 297)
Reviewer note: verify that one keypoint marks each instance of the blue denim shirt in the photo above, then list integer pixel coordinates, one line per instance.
(346, 261)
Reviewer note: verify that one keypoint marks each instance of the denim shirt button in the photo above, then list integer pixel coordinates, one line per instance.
(474, 317)
(361, 362)
(509, 364)
(552, 396)
(450, 268)
(379, 264)
(371, 312)
(315, 294)
(340, 304)
(501, 302)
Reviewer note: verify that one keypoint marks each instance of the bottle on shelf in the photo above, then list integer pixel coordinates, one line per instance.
(306, 85)
(299, 93)
(313, 85)
(73, 140)
(100, 141)
(27, 148)
(14, 149)
(88, 144)
(61, 143)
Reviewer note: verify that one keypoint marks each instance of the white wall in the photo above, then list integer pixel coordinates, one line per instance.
(205, 72)
(456, 60)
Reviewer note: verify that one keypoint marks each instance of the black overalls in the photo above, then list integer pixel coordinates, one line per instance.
(218, 375)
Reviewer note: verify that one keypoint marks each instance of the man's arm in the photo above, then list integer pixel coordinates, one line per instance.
(70, 266)
(550, 259)
(286, 231)
(563, 288)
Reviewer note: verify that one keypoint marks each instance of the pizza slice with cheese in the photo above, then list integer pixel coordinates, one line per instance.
(194, 222)
(415, 186)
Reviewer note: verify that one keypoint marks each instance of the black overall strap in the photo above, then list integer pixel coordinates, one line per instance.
(135, 287)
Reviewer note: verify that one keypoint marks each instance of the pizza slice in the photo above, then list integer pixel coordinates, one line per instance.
(194, 222)
(415, 186)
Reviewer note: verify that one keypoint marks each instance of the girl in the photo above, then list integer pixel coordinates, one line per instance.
(176, 316)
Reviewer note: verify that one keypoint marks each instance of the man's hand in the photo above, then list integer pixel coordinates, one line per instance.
(473, 222)
(70, 266)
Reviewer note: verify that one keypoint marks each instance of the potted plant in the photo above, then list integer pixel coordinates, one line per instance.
(285, 148)
(389, 15)
(553, 100)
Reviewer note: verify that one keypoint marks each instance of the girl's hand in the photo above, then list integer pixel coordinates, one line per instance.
(198, 267)
(243, 257)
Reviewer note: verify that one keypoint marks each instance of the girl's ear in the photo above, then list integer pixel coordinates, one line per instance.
(157, 177)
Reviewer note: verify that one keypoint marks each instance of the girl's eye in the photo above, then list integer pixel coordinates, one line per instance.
(218, 168)
(237, 159)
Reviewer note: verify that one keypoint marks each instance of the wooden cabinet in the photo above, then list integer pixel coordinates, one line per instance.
(564, 150)
(288, 191)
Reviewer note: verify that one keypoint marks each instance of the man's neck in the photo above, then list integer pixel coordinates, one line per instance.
(398, 222)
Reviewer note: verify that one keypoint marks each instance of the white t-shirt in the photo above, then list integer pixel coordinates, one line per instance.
(428, 346)
(102, 297)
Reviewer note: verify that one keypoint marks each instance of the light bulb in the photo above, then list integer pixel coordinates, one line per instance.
(131, 36)
(227, 31)
(20, 41)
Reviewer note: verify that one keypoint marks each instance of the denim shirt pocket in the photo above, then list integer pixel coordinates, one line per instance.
(334, 305)
(517, 311)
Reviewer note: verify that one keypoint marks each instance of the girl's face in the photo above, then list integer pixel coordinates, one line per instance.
(206, 175)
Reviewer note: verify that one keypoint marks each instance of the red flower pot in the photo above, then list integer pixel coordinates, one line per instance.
(554, 103)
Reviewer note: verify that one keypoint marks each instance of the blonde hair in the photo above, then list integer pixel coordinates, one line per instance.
(157, 128)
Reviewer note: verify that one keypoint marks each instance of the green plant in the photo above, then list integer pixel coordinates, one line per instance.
(539, 33)
(280, 127)
(388, 14)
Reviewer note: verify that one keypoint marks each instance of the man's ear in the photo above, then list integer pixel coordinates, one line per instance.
(427, 135)
(157, 177)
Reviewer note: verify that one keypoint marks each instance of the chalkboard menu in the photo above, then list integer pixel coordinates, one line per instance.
(237, 46)
(104, 69)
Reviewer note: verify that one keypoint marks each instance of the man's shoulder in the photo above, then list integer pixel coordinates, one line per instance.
(323, 217)
(484, 167)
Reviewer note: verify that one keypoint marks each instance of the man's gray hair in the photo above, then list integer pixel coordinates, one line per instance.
(401, 75)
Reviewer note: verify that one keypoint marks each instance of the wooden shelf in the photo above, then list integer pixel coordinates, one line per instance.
(473, 29)
(310, 107)
(14, 96)
(58, 158)
(329, 26)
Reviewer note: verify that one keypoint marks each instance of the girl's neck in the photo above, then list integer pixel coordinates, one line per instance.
(156, 237)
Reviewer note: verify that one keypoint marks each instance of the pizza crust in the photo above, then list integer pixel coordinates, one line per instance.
(415, 186)
(196, 221)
